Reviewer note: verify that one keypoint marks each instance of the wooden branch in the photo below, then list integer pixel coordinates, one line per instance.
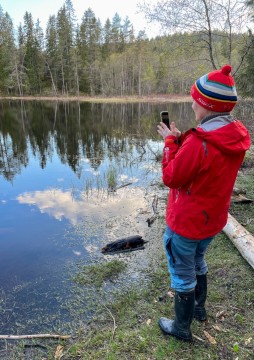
(35, 336)
(240, 199)
(155, 204)
(152, 219)
(113, 189)
(121, 186)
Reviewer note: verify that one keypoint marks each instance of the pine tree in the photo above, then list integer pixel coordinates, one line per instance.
(33, 61)
(65, 33)
(52, 64)
(7, 53)
(90, 49)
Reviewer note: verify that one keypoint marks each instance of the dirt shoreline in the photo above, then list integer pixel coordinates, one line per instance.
(161, 98)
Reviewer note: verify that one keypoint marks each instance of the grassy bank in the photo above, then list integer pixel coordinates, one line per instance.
(128, 327)
(129, 330)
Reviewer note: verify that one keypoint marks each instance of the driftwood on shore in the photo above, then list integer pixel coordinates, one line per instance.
(241, 238)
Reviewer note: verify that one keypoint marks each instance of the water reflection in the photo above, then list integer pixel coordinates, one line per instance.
(74, 131)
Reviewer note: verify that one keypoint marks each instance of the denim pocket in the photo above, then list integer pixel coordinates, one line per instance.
(167, 242)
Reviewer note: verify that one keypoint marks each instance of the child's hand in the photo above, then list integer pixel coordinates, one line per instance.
(164, 131)
(174, 130)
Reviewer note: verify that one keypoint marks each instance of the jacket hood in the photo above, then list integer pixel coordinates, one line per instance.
(225, 133)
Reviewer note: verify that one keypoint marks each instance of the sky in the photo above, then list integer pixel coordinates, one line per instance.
(103, 9)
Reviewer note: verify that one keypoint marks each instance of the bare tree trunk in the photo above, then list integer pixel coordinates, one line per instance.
(77, 78)
(55, 115)
(63, 80)
(210, 40)
(17, 78)
(52, 80)
(139, 75)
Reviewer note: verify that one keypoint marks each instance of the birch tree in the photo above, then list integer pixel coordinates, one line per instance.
(210, 20)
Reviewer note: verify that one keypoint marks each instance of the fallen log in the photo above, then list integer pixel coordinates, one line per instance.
(241, 238)
(35, 336)
(130, 243)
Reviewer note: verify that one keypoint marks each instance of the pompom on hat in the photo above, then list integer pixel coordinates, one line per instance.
(216, 91)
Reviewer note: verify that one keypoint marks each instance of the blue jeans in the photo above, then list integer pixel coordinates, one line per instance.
(186, 259)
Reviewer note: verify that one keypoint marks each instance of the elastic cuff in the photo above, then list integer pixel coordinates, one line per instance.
(170, 140)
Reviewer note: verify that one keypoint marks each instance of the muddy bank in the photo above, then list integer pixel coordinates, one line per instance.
(103, 99)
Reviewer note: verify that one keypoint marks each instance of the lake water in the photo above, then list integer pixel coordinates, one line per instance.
(58, 161)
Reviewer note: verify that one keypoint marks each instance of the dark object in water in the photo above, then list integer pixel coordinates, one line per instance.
(131, 243)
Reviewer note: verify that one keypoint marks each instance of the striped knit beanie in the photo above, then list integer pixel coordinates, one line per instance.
(216, 91)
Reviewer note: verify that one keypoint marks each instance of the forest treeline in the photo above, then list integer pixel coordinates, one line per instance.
(108, 59)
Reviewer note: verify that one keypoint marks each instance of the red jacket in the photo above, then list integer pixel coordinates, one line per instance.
(201, 172)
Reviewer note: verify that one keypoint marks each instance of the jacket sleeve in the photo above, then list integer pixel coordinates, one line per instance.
(181, 163)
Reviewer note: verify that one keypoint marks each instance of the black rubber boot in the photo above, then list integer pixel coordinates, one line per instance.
(184, 309)
(200, 298)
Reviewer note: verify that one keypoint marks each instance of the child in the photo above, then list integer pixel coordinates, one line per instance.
(200, 168)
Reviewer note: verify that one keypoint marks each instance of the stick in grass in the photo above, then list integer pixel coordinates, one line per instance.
(35, 336)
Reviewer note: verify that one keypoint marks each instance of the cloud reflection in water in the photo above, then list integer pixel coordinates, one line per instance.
(62, 204)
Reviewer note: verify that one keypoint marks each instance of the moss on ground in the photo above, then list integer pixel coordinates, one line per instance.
(97, 274)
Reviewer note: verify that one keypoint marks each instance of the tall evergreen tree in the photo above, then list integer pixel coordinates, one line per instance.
(7, 53)
(65, 32)
(21, 71)
(128, 31)
(51, 50)
(33, 61)
(117, 38)
(106, 35)
(90, 49)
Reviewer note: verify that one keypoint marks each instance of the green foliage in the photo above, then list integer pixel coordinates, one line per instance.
(7, 53)
(111, 177)
(92, 58)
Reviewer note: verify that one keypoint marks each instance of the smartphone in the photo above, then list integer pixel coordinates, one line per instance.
(165, 117)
